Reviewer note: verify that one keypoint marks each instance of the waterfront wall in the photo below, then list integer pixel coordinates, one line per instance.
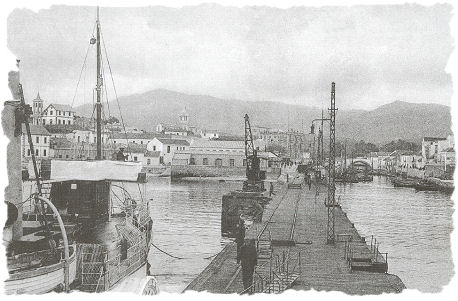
(179, 171)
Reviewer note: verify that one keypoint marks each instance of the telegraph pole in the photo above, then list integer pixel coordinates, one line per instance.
(99, 92)
(331, 201)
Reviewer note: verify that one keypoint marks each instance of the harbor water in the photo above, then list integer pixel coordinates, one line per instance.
(412, 226)
(415, 228)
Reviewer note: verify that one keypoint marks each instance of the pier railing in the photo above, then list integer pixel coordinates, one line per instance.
(281, 274)
(376, 261)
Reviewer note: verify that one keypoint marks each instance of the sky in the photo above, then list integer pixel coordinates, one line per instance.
(375, 54)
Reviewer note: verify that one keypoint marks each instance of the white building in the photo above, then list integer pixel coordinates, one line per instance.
(211, 134)
(167, 148)
(53, 114)
(431, 147)
(40, 140)
(86, 136)
(137, 138)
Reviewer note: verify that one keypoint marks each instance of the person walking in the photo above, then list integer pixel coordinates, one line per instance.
(240, 238)
(271, 190)
(249, 258)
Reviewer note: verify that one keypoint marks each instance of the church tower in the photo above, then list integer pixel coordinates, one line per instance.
(37, 109)
(184, 119)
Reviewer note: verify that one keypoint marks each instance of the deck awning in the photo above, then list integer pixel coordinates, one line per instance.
(63, 170)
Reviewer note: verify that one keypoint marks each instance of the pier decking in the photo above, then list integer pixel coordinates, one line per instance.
(292, 251)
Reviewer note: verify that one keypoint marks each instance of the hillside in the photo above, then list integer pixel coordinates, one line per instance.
(397, 120)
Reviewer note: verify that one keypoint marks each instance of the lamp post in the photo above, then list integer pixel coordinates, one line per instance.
(330, 204)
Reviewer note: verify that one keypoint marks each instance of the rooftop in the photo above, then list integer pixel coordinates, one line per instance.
(36, 130)
(145, 135)
(433, 139)
(60, 107)
(173, 141)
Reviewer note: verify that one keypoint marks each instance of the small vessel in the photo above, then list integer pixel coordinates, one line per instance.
(109, 244)
(425, 185)
(404, 182)
(38, 272)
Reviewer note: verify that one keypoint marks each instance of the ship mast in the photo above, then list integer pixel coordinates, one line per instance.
(99, 91)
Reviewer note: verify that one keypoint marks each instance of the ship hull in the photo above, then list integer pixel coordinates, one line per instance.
(40, 280)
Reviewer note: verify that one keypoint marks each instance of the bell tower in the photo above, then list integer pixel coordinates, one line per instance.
(184, 119)
(37, 109)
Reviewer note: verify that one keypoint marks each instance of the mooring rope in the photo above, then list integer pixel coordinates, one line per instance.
(177, 257)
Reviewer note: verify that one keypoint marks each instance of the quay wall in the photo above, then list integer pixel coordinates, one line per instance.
(180, 171)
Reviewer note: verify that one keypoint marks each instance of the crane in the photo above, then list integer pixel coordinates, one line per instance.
(253, 171)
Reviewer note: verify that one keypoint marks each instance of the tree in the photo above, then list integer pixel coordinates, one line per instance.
(401, 145)
(111, 120)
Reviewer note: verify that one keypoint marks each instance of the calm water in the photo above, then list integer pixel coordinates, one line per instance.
(187, 224)
(413, 227)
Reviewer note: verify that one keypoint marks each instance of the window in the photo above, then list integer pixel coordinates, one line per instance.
(51, 112)
(50, 121)
(154, 147)
(135, 158)
(231, 162)
(58, 112)
(58, 121)
(177, 147)
(60, 156)
(46, 139)
(37, 139)
(43, 122)
(192, 161)
(28, 152)
(205, 161)
(141, 142)
(148, 161)
(44, 153)
(244, 162)
(218, 162)
(168, 149)
(66, 156)
(37, 152)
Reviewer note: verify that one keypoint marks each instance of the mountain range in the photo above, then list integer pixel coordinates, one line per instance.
(396, 120)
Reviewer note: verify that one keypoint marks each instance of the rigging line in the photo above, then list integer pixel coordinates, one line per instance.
(105, 88)
(114, 89)
(82, 68)
(177, 257)
(81, 73)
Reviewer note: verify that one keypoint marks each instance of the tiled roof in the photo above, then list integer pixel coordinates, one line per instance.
(222, 144)
(133, 147)
(36, 130)
(60, 107)
(61, 129)
(433, 139)
(173, 141)
(146, 135)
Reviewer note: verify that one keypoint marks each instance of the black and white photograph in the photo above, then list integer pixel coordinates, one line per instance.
(244, 148)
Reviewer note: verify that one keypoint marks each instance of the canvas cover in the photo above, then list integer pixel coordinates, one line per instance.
(62, 170)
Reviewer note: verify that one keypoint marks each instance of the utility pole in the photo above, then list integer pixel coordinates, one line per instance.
(331, 201)
(321, 136)
(99, 92)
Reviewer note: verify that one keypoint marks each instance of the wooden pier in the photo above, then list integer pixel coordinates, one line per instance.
(293, 253)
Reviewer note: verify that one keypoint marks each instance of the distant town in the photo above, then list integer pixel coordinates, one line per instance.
(184, 150)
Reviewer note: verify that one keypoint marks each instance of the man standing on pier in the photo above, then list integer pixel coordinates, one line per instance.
(240, 238)
(249, 257)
